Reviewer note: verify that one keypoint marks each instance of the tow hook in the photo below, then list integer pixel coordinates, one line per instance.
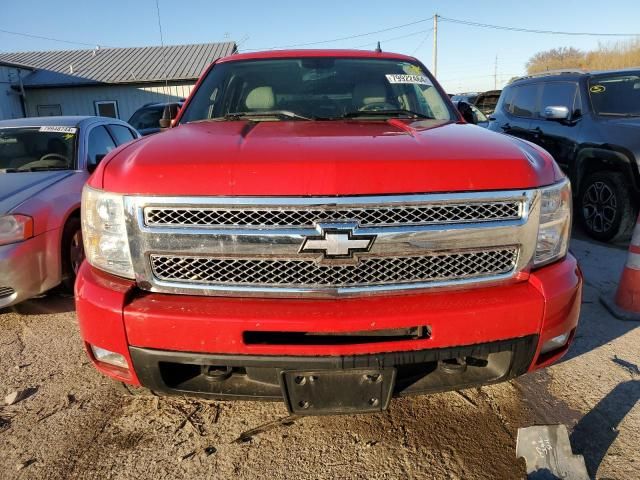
(453, 365)
(216, 373)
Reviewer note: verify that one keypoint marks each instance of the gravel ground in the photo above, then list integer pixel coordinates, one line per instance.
(77, 424)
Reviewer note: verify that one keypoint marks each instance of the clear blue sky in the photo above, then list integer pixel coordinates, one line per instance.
(466, 54)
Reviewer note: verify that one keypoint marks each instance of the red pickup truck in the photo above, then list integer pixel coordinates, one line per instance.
(323, 228)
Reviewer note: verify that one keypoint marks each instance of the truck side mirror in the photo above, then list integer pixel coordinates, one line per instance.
(169, 114)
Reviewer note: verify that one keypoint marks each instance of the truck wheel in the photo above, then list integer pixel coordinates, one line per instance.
(72, 253)
(606, 207)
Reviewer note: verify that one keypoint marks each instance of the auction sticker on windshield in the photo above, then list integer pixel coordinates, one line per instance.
(58, 129)
(414, 79)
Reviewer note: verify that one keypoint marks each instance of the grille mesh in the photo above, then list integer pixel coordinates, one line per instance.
(307, 217)
(308, 273)
(6, 292)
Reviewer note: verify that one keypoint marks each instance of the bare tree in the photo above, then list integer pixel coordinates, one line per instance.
(623, 54)
(556, 58)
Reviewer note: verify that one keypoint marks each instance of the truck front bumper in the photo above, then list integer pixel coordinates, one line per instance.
(241, 348)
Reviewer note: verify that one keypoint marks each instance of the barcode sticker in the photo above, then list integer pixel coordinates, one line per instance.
(414, 79)
(58, 129)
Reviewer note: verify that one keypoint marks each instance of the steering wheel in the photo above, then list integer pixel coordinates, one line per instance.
(48, 160)
(55, 157)
(378, 106)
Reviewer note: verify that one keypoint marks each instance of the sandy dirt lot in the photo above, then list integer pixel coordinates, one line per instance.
(77, 424)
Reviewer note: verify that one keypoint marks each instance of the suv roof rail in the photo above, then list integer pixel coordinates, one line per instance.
(560, 71)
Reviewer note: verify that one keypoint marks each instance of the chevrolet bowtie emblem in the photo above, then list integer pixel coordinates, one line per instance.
(337, 242)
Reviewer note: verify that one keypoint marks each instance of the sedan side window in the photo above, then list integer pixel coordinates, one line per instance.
(121, 134)
(100, 143)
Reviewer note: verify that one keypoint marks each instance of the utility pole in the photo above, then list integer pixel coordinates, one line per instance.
(435, 45)
(495, 74)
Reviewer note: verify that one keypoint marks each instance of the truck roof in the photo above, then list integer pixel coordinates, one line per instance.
(315, 53)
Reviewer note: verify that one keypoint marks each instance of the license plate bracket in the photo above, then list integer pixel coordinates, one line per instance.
(326, 392)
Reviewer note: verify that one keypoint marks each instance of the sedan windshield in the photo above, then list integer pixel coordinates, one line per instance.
(37, 148)
(298, 89)
(616, 95)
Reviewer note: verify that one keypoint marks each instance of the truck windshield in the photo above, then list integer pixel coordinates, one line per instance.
(616, 95)
(293, 89)
(37, 148)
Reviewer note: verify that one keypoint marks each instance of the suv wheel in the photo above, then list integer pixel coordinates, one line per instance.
(606, 209)
(72, 252)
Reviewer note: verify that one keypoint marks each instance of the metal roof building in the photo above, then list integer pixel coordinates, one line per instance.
(104, 81)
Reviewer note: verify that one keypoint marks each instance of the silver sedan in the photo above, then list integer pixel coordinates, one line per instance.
(44, 163)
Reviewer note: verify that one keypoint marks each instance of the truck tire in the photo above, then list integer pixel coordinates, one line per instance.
(72, 252)
(606, 207)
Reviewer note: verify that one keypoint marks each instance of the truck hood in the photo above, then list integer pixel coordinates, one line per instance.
(15, 188)
(241, 158)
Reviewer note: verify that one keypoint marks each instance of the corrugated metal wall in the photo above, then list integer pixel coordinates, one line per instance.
(9, 99)
(80, 100)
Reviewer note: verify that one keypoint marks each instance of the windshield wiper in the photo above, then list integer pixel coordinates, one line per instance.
(386, 113)
(262, 114)
(36, 169)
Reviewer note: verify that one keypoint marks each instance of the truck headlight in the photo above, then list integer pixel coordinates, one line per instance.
(104, 232)
(555, 223)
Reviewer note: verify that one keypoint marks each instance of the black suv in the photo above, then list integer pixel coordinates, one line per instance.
(590, 123)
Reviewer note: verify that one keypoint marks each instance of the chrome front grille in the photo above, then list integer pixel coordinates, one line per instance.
(272, 216)
(260, 246)
(309, 274)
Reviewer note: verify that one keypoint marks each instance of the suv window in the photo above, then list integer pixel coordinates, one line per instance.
(616, 94)
(524, 100)
(121, 133)
(100, 143)
(559, 94)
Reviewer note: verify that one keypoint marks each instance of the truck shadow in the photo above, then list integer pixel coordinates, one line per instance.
(597, 430)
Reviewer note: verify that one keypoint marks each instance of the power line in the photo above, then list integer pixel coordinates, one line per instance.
(51, 39)
(421, 42)
(395, 38)
(528, 30)
(344, 38)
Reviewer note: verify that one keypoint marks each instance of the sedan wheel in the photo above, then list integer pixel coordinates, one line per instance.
(76, 252)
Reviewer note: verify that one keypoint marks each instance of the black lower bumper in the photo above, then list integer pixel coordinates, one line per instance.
(254, 377)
